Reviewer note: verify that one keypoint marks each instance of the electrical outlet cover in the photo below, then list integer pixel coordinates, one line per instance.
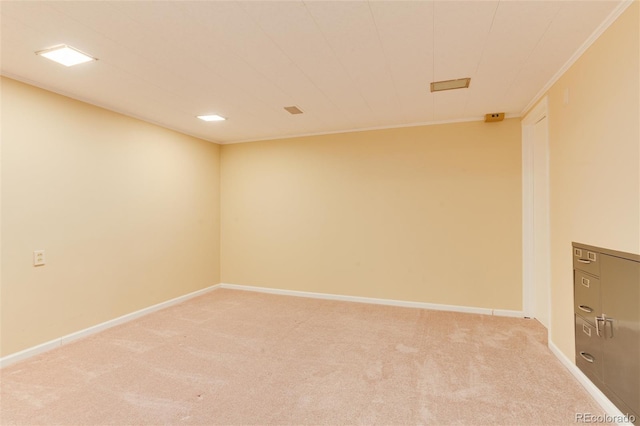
(38, 258)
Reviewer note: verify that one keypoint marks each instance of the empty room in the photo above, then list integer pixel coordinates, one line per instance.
(319, 212)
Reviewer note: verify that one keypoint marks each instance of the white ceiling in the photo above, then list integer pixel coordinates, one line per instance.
(347, 64)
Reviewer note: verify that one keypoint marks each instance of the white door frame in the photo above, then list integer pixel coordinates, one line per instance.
(528, 233)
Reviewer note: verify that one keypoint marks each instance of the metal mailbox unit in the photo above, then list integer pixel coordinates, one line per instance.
(607, 322)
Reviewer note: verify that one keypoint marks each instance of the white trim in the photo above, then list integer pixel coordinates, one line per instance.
(104, 106)
(528, 289)
(64, 340)
(29, 352)
(221, 142)
(592, 389)
(366, 129)
(376, 301)
(507, 313)
(576, 55)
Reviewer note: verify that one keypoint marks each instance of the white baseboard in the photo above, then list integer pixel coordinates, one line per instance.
(609, 408)
(64, 340)
(604, 402)
(376, 301)
(508, 313)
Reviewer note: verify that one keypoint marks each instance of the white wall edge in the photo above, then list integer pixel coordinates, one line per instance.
(592, 389)
(64, 340)
(615, 14)
(376, 301)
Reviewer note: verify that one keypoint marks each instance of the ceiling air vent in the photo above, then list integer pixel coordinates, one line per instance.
(460, 83)
(293, 110)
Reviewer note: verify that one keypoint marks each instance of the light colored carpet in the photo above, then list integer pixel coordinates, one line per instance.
(235, 357)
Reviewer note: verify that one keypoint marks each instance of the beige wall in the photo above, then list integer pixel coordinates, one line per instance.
(127, 212)
(429, 214)
(594, 160)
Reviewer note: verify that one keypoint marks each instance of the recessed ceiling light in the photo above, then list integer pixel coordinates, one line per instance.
(212, 117)
(293, 110)
(460, 83)
(65, 55)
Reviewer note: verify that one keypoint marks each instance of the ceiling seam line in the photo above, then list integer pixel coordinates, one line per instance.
(337, 59)
(295, 64)
(386, 59)
(524, 62)
(121, 46)
(484, 48)
(213, 70)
